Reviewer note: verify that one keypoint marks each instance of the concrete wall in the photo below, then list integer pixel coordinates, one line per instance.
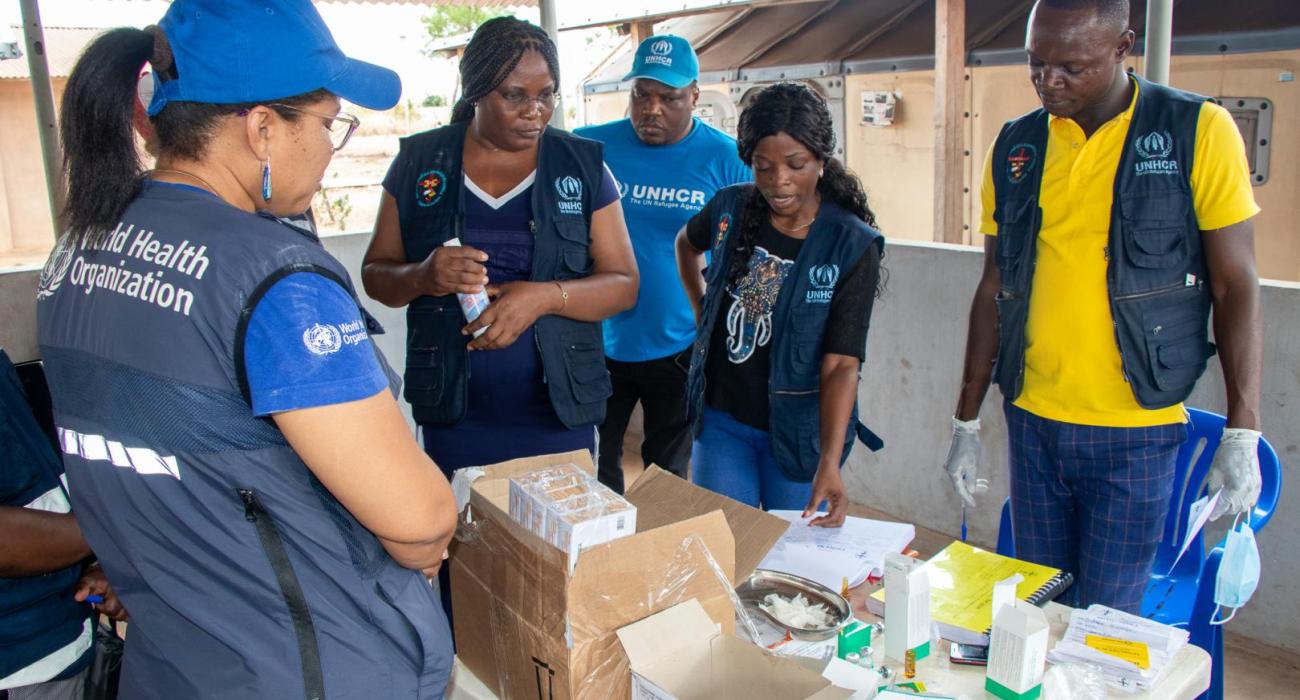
(25, 223)
(909, 388)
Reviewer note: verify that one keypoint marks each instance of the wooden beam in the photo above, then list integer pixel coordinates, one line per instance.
(640, 31)
(949, 118)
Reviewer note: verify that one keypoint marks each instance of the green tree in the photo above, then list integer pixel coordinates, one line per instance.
(450, 20)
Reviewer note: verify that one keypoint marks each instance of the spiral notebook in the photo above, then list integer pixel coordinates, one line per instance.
(961, 589)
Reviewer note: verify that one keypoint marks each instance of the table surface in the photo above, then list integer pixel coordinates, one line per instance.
(1187, 677)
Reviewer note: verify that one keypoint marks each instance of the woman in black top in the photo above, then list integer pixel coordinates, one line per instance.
(786, 136)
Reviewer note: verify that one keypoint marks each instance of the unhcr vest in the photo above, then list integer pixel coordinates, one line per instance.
(1156, 276)
(44, 631)
(836, 242)
(244, 576)
(430, 206)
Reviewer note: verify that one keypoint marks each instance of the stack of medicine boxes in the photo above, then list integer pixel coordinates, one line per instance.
(568, 508)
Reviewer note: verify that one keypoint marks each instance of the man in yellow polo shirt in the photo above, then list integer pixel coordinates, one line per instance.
(1116, 217)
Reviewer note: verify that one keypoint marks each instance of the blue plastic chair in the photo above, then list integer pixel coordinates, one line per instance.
(1185, 596)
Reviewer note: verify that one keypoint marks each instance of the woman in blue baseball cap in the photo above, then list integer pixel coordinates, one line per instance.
(234, 450)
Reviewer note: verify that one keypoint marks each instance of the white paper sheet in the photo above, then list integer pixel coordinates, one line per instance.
(1199, 515)
(829, 555)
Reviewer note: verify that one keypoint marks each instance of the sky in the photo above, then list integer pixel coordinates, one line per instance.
(390, 35)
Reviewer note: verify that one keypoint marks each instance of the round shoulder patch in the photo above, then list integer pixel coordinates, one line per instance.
(322, 339)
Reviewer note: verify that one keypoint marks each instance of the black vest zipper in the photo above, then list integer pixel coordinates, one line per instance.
(313, 681)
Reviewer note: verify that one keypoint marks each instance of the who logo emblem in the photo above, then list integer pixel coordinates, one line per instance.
(56, 268)
(322, 339)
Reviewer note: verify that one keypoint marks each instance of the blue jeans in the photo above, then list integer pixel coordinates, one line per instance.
(736, 460)
(1091, 500)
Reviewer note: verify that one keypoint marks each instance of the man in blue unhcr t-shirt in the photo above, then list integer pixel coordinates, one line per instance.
(668, 164)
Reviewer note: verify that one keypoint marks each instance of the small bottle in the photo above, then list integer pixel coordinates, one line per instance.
(909, 664)
(472, 305)
(866, 660)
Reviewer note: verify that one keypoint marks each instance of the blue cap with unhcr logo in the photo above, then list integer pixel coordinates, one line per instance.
(666, 58)
(234, 51)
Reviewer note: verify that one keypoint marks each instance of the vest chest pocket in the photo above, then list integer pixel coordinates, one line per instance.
(1177, 341)
(1015, 229)
(808, 324)
(429, 353)
(585, 362)
(1155, 230)
(574, 250)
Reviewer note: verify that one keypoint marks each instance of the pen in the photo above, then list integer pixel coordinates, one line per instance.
(963, 521)
(96, 599)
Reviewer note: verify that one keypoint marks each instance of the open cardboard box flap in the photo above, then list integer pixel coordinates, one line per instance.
(662, 498)
(679, 654)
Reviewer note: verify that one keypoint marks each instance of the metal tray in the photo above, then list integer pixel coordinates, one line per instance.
(765, 581)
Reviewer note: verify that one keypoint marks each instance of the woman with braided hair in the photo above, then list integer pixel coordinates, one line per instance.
(498, 201)
(783, 311)
(235, 453)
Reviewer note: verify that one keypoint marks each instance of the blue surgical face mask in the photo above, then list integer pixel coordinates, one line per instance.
(1238, 571)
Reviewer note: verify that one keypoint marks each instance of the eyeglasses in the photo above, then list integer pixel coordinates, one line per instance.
(519, 100)
(340, 126)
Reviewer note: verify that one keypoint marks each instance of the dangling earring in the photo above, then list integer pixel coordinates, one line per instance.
(266, 179)
(820, 173)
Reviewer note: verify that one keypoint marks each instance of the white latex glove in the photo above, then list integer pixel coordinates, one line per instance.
(1235, 469)
(964, 459)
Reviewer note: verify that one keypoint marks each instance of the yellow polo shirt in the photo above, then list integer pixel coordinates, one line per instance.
(1072, 364)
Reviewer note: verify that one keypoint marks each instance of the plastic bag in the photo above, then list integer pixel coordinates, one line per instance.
(106, 668)
(1074, 682)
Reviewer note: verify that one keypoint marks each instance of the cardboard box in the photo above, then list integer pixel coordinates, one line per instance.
(907, 608)
(1017, 652)
(531, 628)
(680, 654)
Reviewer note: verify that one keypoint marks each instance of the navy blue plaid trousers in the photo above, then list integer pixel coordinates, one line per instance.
(1091, 500)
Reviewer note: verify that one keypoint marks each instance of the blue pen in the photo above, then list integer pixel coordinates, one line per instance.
(963, 521)
(99, 599)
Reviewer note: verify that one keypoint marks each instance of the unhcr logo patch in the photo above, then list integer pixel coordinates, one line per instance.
(570, 190)
(822, 278)
(1153, 151)
(659, 52)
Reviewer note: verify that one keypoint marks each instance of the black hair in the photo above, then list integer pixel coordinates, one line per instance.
(792, 108)
(102, 168)
(494, 51)
(1107, 11)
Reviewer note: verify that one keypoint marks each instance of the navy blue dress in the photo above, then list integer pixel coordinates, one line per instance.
(509, 413)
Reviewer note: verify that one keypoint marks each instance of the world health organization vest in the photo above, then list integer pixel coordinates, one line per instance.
(837, 241)
(1157, 279)
(430, 205)
(244, 576)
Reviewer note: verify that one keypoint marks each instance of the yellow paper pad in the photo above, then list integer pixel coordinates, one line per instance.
(1134, 652)
(961, 584)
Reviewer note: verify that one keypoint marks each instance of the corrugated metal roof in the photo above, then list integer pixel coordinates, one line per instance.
(62, 46)
(472, 3)
(843, 32)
